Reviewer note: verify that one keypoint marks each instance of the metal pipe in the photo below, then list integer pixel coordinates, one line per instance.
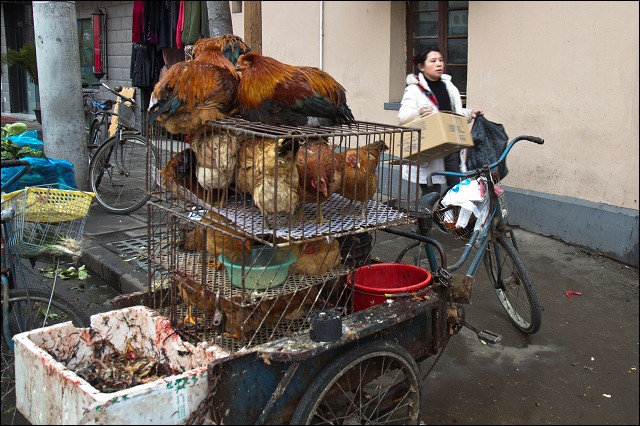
(424, 239)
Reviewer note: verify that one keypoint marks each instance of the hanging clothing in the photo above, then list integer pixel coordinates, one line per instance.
(146, 62)
(137, 25)
(151, 21)
(196, 24)
(180, 26)
(168, 24)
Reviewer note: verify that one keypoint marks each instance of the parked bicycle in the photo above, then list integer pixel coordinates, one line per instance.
(119, 168)
(88, 97)
(25, 306)
(98, 130)
(493, 241)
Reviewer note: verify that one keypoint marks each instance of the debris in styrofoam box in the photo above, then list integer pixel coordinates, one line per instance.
(48, 358)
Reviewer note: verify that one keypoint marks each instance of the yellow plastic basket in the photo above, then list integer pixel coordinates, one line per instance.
(46, 218)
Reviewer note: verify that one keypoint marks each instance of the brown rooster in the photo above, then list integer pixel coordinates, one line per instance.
(359, 181)
(317, 165)
(276, 93)
(231, 46)
(192, 92)
(245, 317)
(179, 174)
(220, 239)
(266, 170)
(316, 257)
(194, 295)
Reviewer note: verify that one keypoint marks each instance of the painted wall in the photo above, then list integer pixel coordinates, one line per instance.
(568, 72)
(362, 47)
(564, 71)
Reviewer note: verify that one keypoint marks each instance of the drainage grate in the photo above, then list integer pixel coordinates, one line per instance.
(133, 251)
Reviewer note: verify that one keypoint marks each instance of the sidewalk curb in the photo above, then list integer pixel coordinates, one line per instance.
(116, 273)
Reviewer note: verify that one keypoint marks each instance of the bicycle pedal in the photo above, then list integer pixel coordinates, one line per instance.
(485, 336)
(489, 337)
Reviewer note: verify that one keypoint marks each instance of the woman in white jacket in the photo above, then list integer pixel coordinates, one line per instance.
(427, 92)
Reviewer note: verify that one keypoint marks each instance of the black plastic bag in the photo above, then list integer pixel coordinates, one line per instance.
(490, 140)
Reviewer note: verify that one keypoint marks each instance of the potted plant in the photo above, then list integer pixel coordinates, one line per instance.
(25, 57)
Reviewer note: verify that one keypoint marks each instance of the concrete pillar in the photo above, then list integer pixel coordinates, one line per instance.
(219, 18)
(60, 84)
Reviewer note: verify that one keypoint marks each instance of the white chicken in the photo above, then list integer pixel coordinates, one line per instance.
(216, 157)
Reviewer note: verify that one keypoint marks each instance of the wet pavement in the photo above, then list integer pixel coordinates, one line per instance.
(580, 368)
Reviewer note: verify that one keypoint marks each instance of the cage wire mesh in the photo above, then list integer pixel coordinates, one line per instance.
(242, 254)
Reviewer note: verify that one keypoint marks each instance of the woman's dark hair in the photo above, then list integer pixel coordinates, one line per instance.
(421, 56)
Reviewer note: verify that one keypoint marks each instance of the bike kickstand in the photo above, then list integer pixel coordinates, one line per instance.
(484, 335)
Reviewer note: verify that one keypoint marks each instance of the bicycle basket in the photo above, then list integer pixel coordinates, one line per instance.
(446, 218)
(126, 116)
(47, 221)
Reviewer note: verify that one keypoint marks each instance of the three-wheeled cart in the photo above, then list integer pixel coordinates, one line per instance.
(317, 343)
(319, 347)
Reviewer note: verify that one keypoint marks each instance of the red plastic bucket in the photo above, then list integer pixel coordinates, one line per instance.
(372, 282)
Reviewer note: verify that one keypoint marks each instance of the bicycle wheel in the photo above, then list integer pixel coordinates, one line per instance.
(118, 173)
(27, 310)
(513, 285)
(376, 383)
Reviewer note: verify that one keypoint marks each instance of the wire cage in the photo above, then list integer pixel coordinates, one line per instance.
(246, 240)
(48, 221)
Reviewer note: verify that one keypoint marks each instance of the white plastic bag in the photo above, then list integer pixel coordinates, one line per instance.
(470, 196)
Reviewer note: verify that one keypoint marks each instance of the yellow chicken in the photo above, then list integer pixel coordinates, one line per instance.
(267, 170)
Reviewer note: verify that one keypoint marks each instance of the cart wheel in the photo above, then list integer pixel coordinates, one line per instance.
(376, 383)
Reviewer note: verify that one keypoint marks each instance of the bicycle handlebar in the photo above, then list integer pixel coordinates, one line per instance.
(116, 91)
(476, 172)
(15, 163)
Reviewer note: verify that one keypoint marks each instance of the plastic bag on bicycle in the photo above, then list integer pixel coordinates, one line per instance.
(489, 139)
(472, 198)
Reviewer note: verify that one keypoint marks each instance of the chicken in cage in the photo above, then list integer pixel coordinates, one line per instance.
(264, 223)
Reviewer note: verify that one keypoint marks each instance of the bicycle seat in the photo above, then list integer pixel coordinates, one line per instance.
(106, 105)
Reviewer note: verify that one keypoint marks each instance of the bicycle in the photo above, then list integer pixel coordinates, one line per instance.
(24, 307)
(493, 240)
(99, 127)
(118, 169)
(89, 108)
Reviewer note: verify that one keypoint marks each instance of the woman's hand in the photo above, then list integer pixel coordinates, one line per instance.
(424, 111)
(476, 112)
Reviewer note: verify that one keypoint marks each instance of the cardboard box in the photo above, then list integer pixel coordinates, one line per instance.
(441, 134)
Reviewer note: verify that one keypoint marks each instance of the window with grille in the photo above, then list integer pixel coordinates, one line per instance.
(444, 25)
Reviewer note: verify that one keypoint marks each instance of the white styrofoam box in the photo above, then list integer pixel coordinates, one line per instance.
(50, 392)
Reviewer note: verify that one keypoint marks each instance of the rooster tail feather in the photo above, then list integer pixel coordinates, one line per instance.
(288, 144)
(170, 104)
(345, 113)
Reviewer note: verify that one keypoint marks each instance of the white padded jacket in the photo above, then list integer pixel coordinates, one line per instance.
(414, 99)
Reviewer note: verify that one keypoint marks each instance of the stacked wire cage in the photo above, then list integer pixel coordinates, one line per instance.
(240, 254)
